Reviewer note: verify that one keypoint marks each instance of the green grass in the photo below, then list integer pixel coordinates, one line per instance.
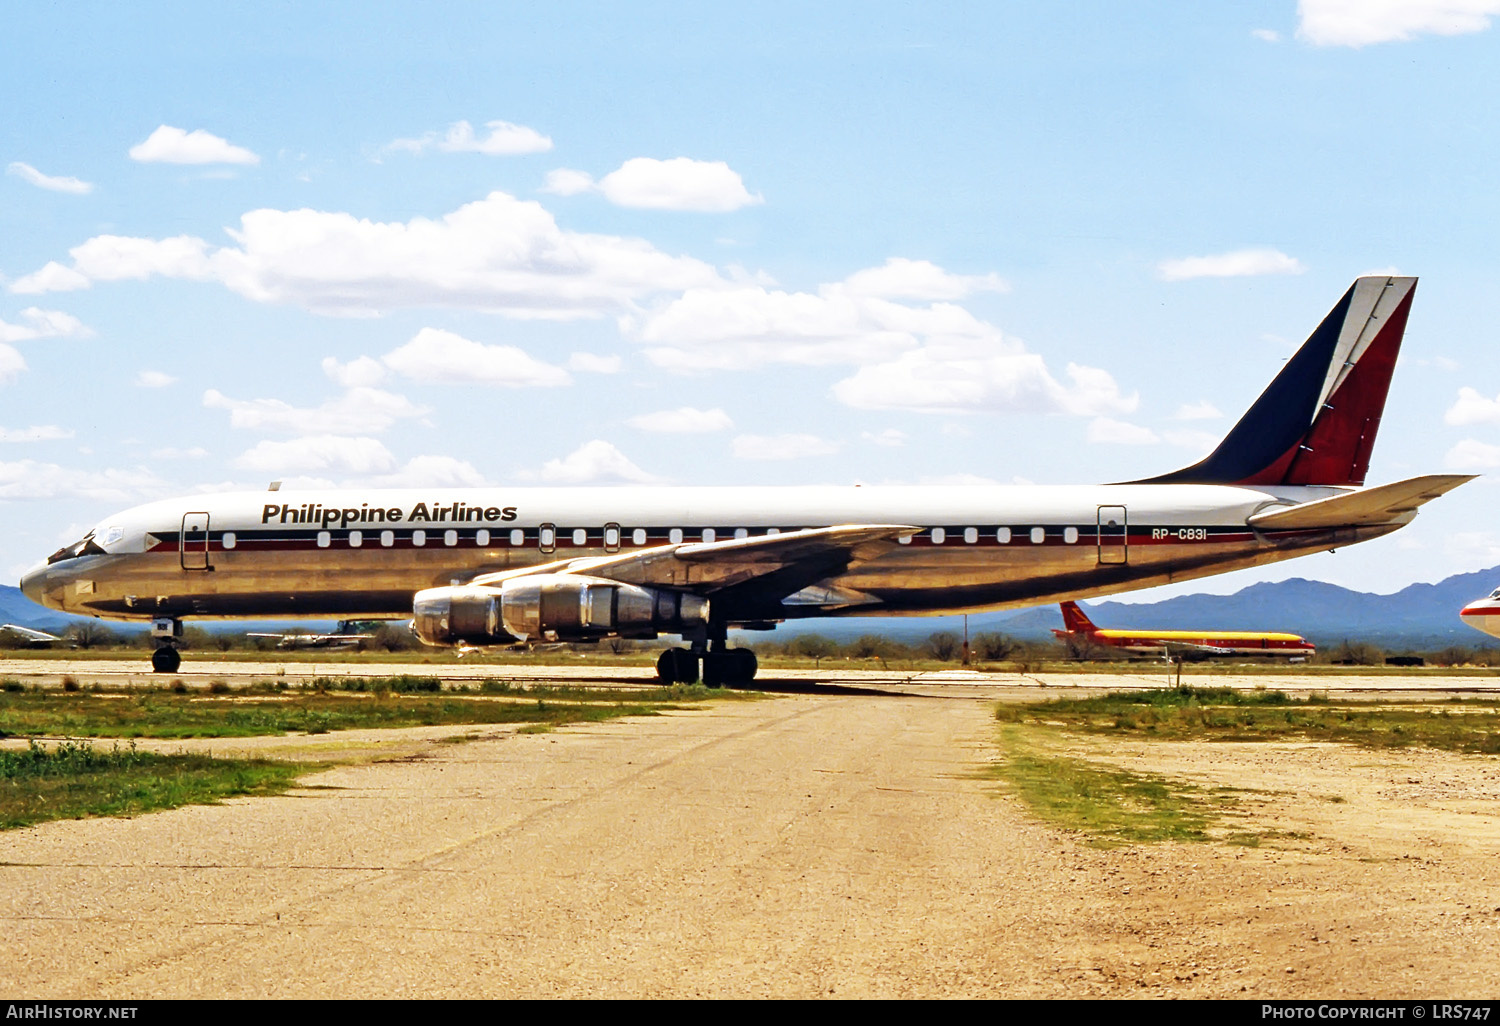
(73, 779)
(1221, 714)
(316, 710)
(1113, 806)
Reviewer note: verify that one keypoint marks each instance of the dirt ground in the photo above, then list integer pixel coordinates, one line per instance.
(797, 846)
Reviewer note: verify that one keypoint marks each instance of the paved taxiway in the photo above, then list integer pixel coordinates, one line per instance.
(805, 844)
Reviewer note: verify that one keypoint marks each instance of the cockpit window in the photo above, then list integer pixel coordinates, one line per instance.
(1495, 594)
(85, 546)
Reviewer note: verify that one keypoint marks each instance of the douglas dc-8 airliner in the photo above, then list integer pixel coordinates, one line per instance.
(506, 566)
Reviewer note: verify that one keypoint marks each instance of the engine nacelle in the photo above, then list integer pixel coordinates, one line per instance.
(552, 607)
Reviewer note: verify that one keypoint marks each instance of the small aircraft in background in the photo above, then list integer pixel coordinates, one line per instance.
(1141, 641)
(15, 636)
(1483, 614)
(345, 635)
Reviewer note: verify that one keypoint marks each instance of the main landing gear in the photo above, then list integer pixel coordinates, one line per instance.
(721, 665)
(166, 632)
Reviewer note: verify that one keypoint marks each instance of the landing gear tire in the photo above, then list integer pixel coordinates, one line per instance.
(729, 667)
(166, 660)
(677, 666)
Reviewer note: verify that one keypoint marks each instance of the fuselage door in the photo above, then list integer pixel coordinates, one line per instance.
(193, 546)
(1114, 543)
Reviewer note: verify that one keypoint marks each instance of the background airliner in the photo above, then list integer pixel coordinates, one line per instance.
(1077, 625)
(503, 566)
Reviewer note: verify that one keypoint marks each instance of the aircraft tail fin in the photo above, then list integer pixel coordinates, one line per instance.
(1075, 621)
(1316, 422)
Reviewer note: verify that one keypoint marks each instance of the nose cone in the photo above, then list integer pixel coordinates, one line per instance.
(34, 585)
(1483, 615)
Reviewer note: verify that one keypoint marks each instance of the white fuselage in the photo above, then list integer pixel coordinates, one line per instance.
(364, 553)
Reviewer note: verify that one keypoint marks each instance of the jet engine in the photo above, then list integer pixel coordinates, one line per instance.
(551, 607)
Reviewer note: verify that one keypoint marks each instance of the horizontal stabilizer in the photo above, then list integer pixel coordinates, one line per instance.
(1383, 504)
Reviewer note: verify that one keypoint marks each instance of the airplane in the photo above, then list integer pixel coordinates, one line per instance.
(305, 639)
(521, 566)
(29, 637)
(1483, 614)
(1077, 625)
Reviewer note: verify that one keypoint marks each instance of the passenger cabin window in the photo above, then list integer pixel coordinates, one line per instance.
(905, 539)
(971, 535)
(675, 536)
(387, 538)
(708, 534)
(1038, 535)
(772, 530)
(419, 537)
(740, 532)
(939, 536)
(1070, 535)
(481, 537)
(638, 536)
(356, 539)
(546, 537)
(228, 540)
(1003, 536)
(450, 537)
(580, 536)
(611, 537)
(324, 539)
(518, 537)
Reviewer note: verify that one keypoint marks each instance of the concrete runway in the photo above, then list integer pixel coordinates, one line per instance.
(837, 840)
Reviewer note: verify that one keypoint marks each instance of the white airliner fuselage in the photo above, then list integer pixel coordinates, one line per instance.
(967, 547)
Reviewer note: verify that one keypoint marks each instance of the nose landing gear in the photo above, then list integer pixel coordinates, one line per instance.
(166, 631)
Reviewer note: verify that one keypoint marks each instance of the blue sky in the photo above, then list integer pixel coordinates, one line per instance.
(783, 244)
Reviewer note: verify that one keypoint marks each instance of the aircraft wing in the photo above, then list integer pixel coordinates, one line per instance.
(1382, 504)
(28, 633)
(771, 566)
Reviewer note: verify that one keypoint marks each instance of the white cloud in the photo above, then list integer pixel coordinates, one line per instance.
(684, 420)
(120, 258)
(1472, 408)
(43, 324)
(359, 410)
(1119, 432)
(27, 173)
(782, 447)
(1238, 264)
(154, 379)
(1470, 454)
(435, 356)
(899, 278)
(499, 254)
(363, 372)
(168, 145)
(431, 472)
(172, 452)
(319, 454)
(890, 437)
(595, 461)
(40, 433)
(949, 379)
(1359, 23)
(676, 184)
(566, 181)
(1266, 35)
(504, 139)
(27, 479)
(1200, 410)
(592, 363)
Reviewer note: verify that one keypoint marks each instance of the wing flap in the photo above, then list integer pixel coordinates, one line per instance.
(1382, 504)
